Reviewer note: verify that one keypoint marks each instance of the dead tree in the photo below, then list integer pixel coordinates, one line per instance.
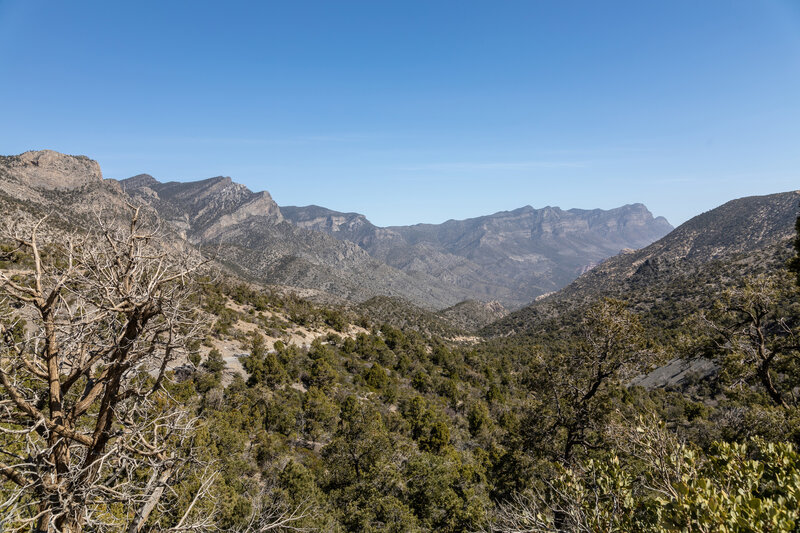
(89, 437)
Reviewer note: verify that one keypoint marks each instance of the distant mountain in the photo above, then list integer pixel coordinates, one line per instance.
(511, 256)
(246, 230)
(678, 274)
(242, 229)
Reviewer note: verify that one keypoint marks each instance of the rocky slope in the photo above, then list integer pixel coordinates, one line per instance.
(70, 194)
(203, 209)
(247, 231)
(678, 274)
(51, 170)
(70, 189)
(511, 256)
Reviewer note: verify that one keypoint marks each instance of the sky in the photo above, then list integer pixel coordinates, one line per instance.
(418, 111)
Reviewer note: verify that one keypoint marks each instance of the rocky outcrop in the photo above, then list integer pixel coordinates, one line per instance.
(68, 193)
(49, 170)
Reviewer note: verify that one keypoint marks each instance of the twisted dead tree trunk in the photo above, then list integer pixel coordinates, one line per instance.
(89, 324)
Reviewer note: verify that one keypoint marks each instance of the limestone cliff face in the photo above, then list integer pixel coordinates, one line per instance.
(49, 170)
(203, 210)
(249, 232)
(259, 205)
(318, 218)
(510, 256)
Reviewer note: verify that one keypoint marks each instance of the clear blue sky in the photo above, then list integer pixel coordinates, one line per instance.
(418, 111)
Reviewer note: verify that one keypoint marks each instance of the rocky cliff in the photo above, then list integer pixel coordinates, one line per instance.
(681, 273)
(511, 256)
(51, 170)
(247, 231)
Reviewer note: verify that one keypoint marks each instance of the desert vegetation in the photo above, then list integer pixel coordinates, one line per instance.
(121, 409)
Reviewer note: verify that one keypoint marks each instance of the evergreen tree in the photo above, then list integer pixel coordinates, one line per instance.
(794, 263)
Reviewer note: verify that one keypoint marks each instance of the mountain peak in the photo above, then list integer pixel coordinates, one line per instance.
(48, 169)
(218, 180)
(740, 236)
(138, 181)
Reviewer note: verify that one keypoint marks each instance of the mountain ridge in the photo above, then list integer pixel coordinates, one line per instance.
(512, 256)
(685, 268)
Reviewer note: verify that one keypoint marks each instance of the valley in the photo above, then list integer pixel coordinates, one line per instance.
(341, 376)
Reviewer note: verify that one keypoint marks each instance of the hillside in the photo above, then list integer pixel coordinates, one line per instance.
(678, 274)
(406, 316)
(246, 230)
(471, 315)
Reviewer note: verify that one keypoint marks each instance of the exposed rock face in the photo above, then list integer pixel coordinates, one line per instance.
(204, 208)
(318, 218)
(677, 373)
(68, 192)
(248, 231)
(50, 170)
(511, 256)
(680, 273)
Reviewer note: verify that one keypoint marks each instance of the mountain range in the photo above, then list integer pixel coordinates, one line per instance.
(506, 260)
(681, 273)
(511, 257)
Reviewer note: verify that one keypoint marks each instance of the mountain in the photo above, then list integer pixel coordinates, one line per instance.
(683, 272)
(69, 192)
(510, 256)
(51, 170)
(70, 189)
(203, 209)
(246, 230)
